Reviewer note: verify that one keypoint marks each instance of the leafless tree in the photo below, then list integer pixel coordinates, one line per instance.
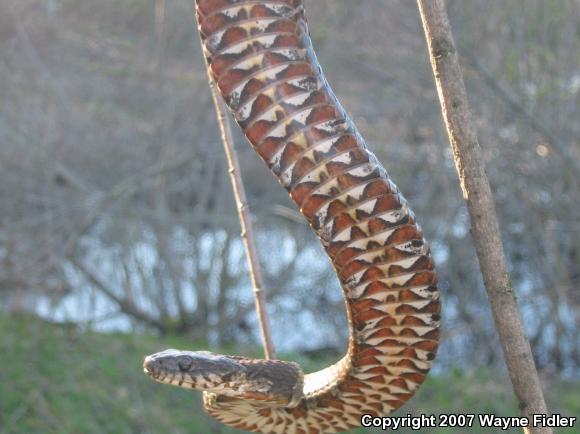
(111, 168)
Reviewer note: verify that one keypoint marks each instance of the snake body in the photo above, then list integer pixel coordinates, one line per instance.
(261, 58)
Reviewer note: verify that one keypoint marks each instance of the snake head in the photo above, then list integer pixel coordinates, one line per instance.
(193, 369)
(273, 381)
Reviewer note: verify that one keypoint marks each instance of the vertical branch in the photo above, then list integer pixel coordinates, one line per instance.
(484, 224)
(245, 221)
(160, 18)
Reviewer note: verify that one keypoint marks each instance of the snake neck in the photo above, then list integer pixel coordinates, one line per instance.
(260, 55)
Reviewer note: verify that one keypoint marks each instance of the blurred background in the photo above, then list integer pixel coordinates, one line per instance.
(119, 235)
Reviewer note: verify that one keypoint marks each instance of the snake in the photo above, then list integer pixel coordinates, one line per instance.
(261, 58)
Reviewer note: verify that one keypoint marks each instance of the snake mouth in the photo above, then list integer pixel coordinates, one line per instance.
(190, 369)
(160, 370)
(166, 377)
(151, 368)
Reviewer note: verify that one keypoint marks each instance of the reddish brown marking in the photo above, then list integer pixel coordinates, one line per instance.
(284, 89)
(288, 40)
(383, 255)
(214, 23)
(368, 315)
(351, 269)
(252, 88)
(382, 333)
(432, 335)
(272, 58)
(281, 26)
(423, 278)
(258, 130)
(387, 202)
(414, 377)
(348, 180)
(311, 204)
(269, 147)
(357, 234)
(232, 36)
(412, 321)
(336, 207)
(298, 412)
(345, 256)
(302, 167)
(295, 70)
(386, 323)
(260, 104)
(316, 97)
(321, 114)
(299, 193)
(403, 233)
(423, 263)
(265, 412)
(390, 343)
(408, 310)
(206, 7)
(359, 362)
(352, 386)
(369, 351)
(375, 405)
(261, 11)
(373, 273)
(407, 295)
(220, 62)
(362, 305)
(331, 403)
(375, 288)
(342, 211)
(232, 78)
(317, 134)
(427, 345)
(377, 188)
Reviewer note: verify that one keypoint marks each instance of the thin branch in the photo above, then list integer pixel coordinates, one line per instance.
(484, 224)
(519, 109)
(125, 188)
(125, 305)
(245, 221)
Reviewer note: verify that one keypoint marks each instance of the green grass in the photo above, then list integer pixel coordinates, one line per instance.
(56, 379)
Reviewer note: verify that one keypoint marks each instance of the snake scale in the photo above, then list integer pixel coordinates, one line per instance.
(260, 56)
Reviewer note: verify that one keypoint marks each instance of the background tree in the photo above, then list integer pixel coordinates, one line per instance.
(117, 211)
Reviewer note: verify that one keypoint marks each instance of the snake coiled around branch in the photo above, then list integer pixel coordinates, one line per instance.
(261, 58)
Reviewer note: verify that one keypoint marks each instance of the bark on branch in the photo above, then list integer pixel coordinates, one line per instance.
(484, 224)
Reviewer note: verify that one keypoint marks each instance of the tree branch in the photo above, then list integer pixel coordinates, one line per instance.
(519, 109)
(125, 305)
(484, 224)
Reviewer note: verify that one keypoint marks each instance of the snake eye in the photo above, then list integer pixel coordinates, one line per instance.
(185, 363)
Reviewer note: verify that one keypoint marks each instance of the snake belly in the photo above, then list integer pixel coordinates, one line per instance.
(260, 56)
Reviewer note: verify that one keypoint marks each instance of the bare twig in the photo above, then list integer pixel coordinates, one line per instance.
(125, 305)
(125, 188)
(484, 224)
(518, 108)
(245, 221)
